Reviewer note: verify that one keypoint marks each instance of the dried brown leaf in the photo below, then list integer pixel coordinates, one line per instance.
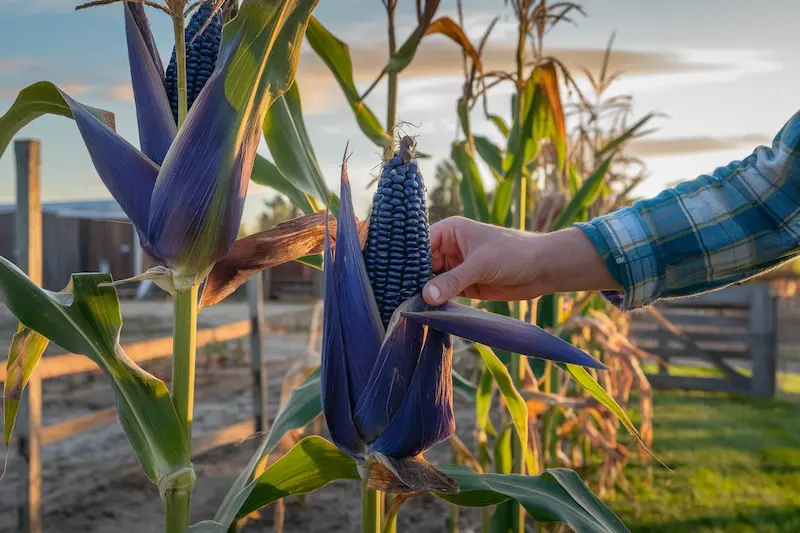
(285, 242)
(449, 28)
(408, 475)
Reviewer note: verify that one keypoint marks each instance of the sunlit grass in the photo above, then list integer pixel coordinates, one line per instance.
(736, 467)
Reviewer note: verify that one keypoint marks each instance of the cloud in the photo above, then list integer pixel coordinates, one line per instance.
(674, 146)
(122, 92)
(320, 97)
(438, 61)
(76, 89)
(72, 89)
(16, 63)
(440, 57)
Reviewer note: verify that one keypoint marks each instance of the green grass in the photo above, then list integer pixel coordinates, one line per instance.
(735, 462)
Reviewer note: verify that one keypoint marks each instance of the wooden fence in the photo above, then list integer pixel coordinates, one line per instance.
(31, 436)
(734, 325)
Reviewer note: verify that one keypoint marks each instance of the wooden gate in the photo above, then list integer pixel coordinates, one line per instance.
(734, 329)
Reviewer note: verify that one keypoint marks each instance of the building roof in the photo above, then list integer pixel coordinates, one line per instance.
(89, 209)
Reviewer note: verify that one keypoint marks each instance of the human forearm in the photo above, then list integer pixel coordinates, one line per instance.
(568, 261)
(708, 233)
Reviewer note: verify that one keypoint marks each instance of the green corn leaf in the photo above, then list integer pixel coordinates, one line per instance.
(543, 118)
(26, 350)
(310, 465)
(503, 451)
(290, 146)
(501, 207)
(266, 173)
(303, 406)
(557, 495)
(502, 519)
(483, 403)
(403, 56)
(515, 403)
(547, 315)
(499, 308)
(523, 141)
(628, 134)
(36, 100)
(547, 79)
(573, 180)
(336, 55)
(462, 110)
(464, 386)
(585, 380)
(500, 124)
(473, 195)
(314, 261)
(491, 154)
(585, 197)
(85, 318)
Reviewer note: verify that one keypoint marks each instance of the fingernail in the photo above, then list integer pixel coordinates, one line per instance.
(433, 292)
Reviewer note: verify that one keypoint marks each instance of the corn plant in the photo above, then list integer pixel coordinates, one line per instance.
(385, 382)
(543, 167)
(545, 179)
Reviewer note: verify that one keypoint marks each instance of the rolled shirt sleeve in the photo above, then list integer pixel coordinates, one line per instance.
(705, 234)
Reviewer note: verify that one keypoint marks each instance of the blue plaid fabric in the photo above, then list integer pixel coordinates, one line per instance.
(708, 233)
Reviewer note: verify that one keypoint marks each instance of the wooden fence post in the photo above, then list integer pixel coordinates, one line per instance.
(255, 301)
(28, 251)
(763, 345)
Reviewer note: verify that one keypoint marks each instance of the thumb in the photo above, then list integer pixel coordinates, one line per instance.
(450, 284)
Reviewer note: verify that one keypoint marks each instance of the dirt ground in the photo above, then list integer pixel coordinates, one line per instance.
(92, 484)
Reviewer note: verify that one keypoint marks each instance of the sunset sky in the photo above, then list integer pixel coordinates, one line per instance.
(725, 72)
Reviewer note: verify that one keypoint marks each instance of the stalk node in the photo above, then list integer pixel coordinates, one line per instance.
(177, 481)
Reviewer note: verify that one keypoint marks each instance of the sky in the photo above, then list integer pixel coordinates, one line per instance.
(724, 72)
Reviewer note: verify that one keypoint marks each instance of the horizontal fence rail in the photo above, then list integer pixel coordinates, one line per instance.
(140, 352)
(736, 324)
(54, 366)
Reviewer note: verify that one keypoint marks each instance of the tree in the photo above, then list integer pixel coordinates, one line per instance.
(445, 200)
(277, 210)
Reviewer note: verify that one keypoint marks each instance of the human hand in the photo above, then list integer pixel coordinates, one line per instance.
(487, 262)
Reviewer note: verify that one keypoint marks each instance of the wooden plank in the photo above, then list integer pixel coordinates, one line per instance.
(7, 233)
(29, 423)
(736, 378)
(735, 296)
(62, 254)
(228, 435)
(672, 345)
(694, 321)
(60, 431)
(67, 364)
(28, 252)
(728, 337)
(668, 382)
(68, 428)
(255, 305)
(28, 217)
(764, 349)
(683, 353)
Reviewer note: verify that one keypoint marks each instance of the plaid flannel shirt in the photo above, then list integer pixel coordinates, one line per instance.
(708, 233)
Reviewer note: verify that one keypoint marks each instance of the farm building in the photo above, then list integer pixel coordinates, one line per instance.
(96, 236)
(84, 236)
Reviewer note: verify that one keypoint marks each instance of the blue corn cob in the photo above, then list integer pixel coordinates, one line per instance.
(201, 55)
(398, 249)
